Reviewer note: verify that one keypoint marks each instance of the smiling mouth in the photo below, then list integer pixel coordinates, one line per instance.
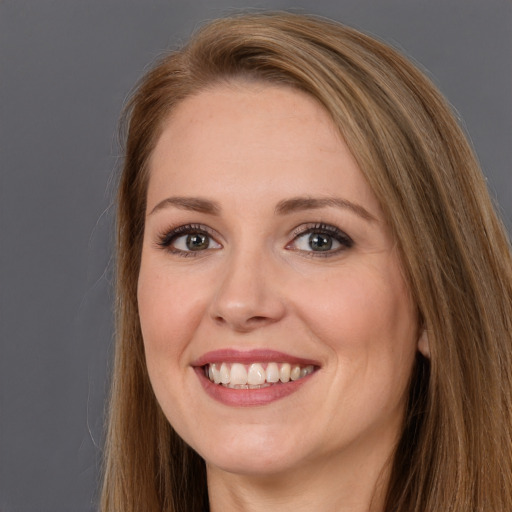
(255, 375)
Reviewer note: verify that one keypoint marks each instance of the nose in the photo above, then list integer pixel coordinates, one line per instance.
(247, 296)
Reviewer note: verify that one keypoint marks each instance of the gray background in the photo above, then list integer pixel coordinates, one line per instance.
(65, 69)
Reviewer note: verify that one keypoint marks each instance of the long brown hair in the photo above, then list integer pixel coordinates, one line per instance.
(455, 453)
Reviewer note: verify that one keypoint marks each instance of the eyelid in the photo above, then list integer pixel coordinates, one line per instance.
(309, 227)
(340, 236)
(165, 238)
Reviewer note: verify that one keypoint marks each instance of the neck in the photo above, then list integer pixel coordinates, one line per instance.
(355, 485)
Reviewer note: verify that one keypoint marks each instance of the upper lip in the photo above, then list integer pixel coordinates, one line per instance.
(251, 356)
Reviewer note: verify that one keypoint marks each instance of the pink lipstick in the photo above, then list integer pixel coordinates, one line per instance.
(249, 378)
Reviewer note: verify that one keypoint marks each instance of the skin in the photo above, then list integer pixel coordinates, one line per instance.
(259, 285)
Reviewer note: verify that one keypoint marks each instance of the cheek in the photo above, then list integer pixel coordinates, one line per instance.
(367, 319)
(353, 304)
(170, 308)
(169, 311)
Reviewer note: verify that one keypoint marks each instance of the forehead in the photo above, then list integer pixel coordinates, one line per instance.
(263, 138)
(235, 109)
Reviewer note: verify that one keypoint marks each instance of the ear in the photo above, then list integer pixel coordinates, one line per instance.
(423, 345)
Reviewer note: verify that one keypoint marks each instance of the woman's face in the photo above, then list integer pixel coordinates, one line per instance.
(267, 262)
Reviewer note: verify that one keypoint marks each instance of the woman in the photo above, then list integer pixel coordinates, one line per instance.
(314, 292)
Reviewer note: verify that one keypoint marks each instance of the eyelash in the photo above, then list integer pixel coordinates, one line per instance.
(166, 238)
(324, 229)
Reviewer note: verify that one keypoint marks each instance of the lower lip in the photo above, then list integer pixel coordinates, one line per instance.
(248, 397)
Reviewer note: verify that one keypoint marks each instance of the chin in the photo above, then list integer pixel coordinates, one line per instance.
(257, 452)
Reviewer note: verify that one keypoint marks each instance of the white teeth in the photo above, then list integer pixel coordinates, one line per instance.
(272, 372)
(238, 375)
(215, 372)
(256, 374)
(284, 373)
(295, 373)
(306, 370)
(225, 374)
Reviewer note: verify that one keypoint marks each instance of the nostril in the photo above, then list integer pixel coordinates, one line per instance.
(257, 319)
(246, 324)
(247, 312)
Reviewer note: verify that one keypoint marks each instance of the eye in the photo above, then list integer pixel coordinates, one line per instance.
(322, 239)
(188, 239)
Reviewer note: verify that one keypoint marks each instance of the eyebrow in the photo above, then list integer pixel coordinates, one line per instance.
(310, 203)
(195, 204)
(287, 206)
